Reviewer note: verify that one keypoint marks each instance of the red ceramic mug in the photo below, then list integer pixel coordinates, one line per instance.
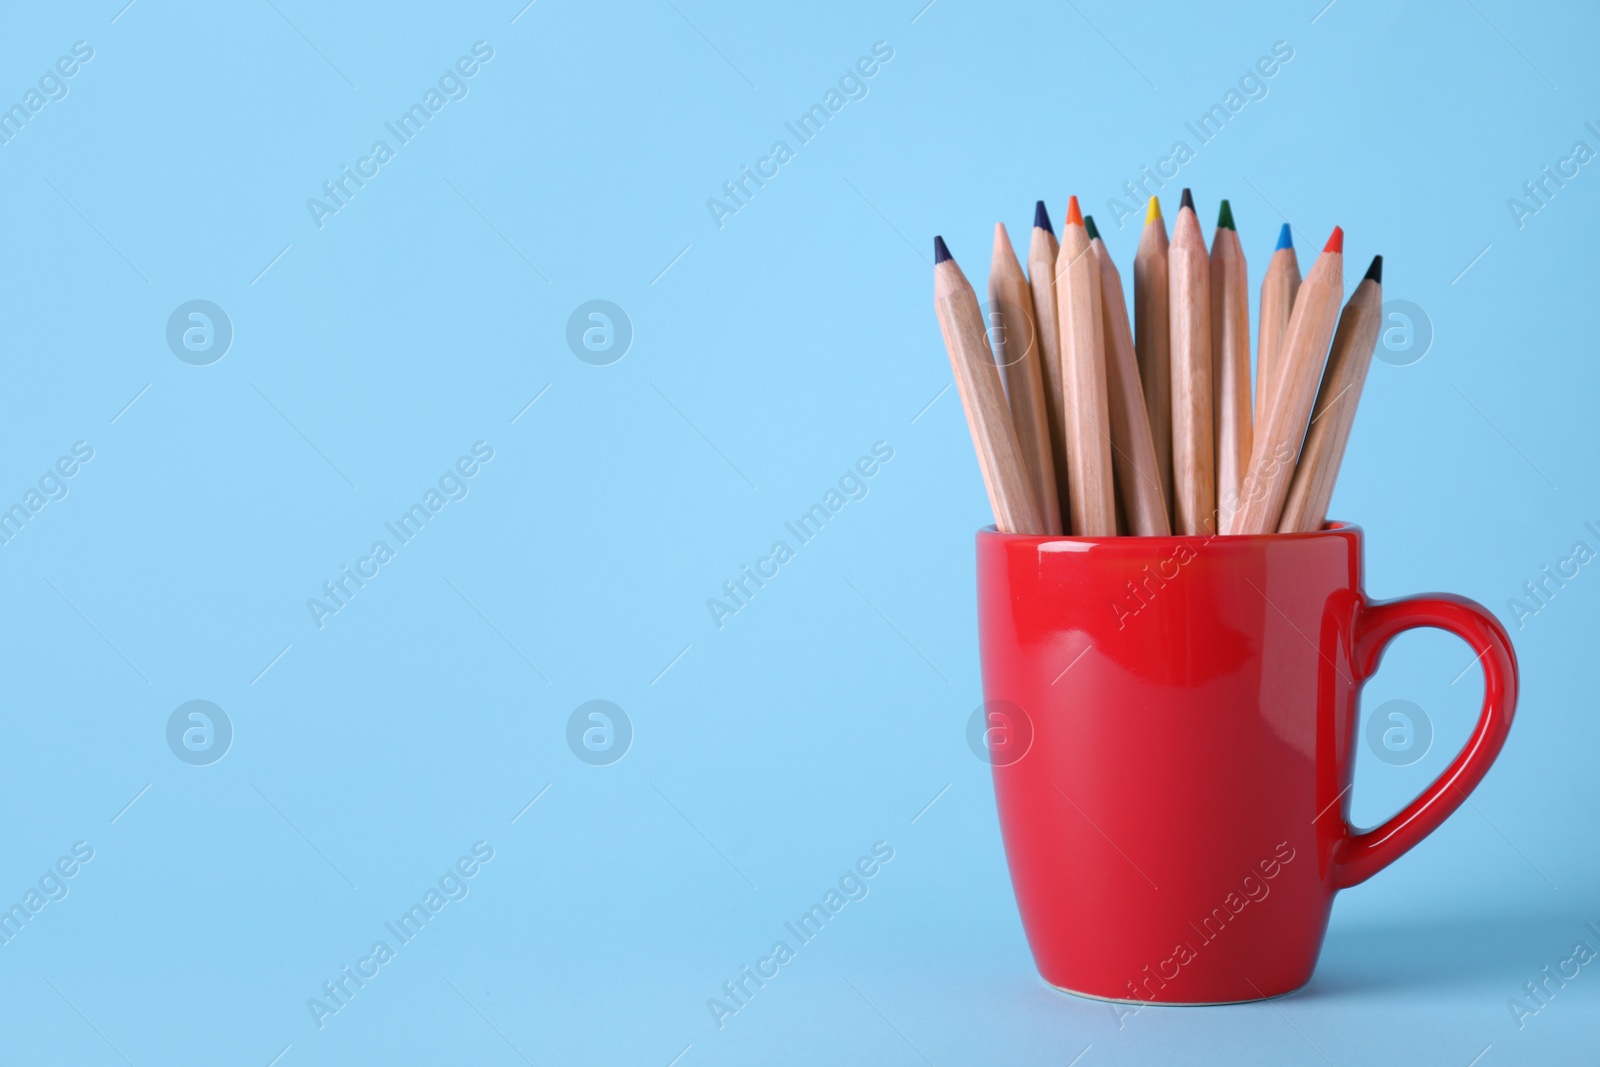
(1173, 723)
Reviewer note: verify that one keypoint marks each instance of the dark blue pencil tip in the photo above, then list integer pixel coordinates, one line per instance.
(940, 251)
(1187, 201)
(1375, 272)
(1041, 219)
(1285, 240)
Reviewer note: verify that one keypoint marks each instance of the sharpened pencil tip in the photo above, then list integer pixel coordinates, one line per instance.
(1088, 224)
(1285, 239)
(941, 251)
(1375, 272)
(1041, 219)
(1153, 212)
(1186, 201)
(1074, 214)
(1225, 216)
(1335, 241)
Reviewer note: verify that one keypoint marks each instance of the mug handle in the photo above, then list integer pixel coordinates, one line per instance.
(1357, 857)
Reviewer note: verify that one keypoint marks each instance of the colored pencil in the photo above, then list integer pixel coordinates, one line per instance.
(1278, 289)
(1194, 492)
(1354, 341)
(1042, 251)
(1152, 340)
(1083, 371)
(1134, 452)
(1005, 475)
(1016, 349)
(1091, 422)
(1230, 362)
(1305, 351)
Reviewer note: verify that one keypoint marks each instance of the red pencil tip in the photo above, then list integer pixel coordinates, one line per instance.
(1335, 241)
(1074, 216)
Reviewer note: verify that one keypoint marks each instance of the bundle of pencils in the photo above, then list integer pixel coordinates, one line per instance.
(1089, 423)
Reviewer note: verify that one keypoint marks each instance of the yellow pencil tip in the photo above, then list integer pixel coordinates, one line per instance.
(1153, 212)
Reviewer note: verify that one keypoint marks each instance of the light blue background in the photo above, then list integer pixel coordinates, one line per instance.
(768, 355)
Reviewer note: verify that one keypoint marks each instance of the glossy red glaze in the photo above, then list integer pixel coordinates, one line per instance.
(1174, 780)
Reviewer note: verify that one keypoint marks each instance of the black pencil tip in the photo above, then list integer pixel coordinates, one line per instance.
(1041, 219)
(1187, 201)
(1375, 272)
(940, 251)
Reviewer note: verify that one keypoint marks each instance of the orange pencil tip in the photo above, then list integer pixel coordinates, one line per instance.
(1074, 216)
(1335, 241)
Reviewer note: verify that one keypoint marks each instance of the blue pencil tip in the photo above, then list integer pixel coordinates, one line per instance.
(1284, 239)
(940, 252)
(1041, 219)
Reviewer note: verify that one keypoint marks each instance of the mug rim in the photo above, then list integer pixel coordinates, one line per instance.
(1333, 528)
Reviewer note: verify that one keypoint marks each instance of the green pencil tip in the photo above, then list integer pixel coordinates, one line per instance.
(1088, 224)
(1225, 216)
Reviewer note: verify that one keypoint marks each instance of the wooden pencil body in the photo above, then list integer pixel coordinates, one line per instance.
(1042, 251)
(1278, 440)
(1016, 349)
(1230, 368)
(1153, 343)
(1084, 411)
(1278, 290)
(977, 379)
(1134, 453)
(1194, 492)
(1311, 491)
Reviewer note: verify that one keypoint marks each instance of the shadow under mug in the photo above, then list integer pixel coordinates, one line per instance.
(1172, 724)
